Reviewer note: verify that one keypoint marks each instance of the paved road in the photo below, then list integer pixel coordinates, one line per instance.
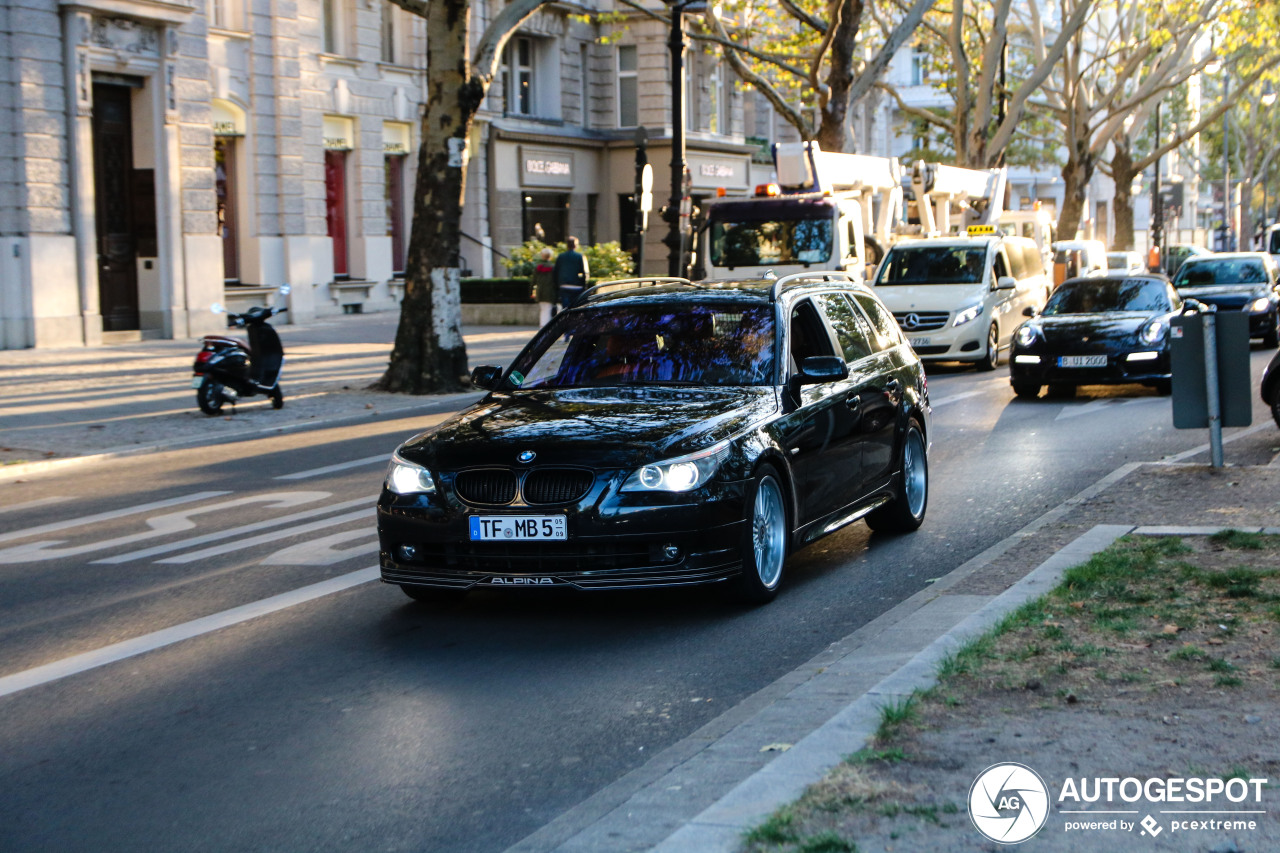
(358, 720)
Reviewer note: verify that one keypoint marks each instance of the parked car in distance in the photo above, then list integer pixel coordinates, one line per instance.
(1236, 281)
(667, 433)
(1178, 253)
(1078, 258)
(960, 298)
(1095, 331)
(1125, 263)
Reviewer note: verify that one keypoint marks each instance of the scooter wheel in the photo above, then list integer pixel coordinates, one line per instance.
(209, 396)
(277, 398)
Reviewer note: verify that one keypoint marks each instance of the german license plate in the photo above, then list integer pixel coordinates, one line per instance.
(1082, 361)
(519, 528)
(196, 380)
(918, 342)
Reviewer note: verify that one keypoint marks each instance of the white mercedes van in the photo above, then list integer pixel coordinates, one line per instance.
(960, 298)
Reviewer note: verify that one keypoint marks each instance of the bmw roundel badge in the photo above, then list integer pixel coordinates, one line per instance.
(526, 456)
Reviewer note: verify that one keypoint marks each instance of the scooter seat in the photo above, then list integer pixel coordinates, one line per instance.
(224, 341)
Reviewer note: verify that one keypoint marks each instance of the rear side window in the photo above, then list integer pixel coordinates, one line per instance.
(808, 336)
(1032, 260)
(887, 333)
(1017, 262)
(998, 267)
(852, 332)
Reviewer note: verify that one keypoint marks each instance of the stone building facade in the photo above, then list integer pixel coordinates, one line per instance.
(158, 157)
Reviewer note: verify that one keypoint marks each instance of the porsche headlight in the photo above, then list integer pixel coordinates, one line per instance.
(406, 478)
(967, 315)
(681, 474)
(1026, 335)
(1259, 305)
(1153, 332)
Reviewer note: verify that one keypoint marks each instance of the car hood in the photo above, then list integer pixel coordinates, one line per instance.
(1110, 326)
(595, 427)
(930, 297)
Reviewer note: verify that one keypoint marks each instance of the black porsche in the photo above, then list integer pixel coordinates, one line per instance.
(663, 433)
(1096, 331)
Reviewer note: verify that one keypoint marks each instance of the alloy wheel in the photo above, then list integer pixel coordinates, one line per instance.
(768, 532)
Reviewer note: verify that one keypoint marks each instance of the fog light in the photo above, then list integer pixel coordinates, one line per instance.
(671, 552)
(1027, 359)
(407, 553)
(1143, 356)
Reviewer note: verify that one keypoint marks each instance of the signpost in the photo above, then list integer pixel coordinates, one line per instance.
(1210, 361)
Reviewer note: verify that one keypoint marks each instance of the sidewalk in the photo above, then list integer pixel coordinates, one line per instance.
(58, 404)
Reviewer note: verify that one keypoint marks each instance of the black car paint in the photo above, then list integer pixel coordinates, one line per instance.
(835, 446)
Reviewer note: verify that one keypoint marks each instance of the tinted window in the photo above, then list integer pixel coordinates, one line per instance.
(1017, 264)
(1096, 296)
(852, 332)
(1273, 245)
(886, 328)
(703, 344)
(1235, 271)
(933, 265)
(783, 241)
(808, 336)
(1032, 260)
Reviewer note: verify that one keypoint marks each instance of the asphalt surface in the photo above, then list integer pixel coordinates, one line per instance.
(359, 720)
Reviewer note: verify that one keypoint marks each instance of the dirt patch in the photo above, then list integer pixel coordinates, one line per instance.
(1159, 659)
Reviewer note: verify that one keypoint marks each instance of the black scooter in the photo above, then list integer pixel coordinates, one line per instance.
(227, 371)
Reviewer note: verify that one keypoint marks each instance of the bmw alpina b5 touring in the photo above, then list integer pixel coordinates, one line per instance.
(664, 433)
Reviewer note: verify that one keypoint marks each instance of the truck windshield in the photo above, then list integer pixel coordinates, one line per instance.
(767, 242)
(933, 265)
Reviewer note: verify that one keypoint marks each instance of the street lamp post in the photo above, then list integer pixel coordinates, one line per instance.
(675, 239)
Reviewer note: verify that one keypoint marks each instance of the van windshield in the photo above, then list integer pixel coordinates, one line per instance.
(747, 234)
(933, 265)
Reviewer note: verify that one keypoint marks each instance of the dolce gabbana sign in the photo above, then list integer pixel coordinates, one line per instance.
(543, 167)
(728, 171)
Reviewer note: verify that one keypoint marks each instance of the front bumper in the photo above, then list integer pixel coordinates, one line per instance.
(951, 343)
(1119, 370)
(622, 542)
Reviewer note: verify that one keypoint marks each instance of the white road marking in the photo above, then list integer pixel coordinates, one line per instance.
(33, 504)
(35, 676)
(158, 525)
(1095, 406)
(954, 398)
(341, 466)
(218, 550)
(231, 533)
(107, 516)
(321, 552)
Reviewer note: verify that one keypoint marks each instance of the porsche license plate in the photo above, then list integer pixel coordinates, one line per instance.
(1082, 361)
(519, 528)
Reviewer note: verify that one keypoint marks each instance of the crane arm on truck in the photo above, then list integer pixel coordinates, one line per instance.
(978, 195)
(804, 167)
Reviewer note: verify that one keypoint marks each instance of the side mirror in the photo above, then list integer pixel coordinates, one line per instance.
(486, 377)
(822, 368)
(1029, 311)
(1006, 282)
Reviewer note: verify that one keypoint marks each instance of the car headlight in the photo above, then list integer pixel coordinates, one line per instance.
(1026, 335)
(681, 474)
(406, 478)
(967, 315)
(1259, 305)
(1153, 332)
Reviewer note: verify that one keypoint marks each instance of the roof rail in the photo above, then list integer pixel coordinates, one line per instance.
(628, 284)
(799, 278)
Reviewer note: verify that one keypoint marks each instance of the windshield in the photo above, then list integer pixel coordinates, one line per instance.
(682, 344)
(1234, 271)
(933, 265)
(1095, 296)
(1273, 243)
(774, 241)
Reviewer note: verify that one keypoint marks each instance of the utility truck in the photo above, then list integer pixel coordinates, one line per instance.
(826, 211)
(951, 200)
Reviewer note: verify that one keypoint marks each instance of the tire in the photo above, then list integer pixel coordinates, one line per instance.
(433, 595)
(1271, 340)
(1164, 387)
(209, 396)
(277, 398)
(905, 511)
(1062, 390)
(1275, 410)
(1026, 390)
(764, 539)
(992, 358)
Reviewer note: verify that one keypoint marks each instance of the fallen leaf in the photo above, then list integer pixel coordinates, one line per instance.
(1078, 605)
(1214, 641)
(776, 747)
(1169, 629)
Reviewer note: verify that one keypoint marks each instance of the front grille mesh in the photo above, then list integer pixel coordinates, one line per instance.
(926, 321)
(556, 485)
(486, 486)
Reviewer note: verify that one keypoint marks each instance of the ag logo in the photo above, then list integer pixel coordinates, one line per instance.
(1008, 803)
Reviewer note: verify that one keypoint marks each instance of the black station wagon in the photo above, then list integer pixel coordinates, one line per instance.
(663, 432)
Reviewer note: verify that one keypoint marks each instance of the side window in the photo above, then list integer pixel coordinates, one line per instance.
(886, 328)
(998, 266)
(808, 336)
(1032, 260)
(851, 330)
(1017, 262)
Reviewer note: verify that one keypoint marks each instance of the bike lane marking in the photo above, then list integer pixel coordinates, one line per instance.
(115, 652)
(218, 550)
(107, 516)
(330, 469)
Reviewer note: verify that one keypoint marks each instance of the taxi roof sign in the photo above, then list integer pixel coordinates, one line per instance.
(981, 230)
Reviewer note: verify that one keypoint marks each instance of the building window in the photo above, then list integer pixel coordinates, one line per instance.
(335, 207)
(390, 34)
(517, 75)
(224, 160)
(718, 118)
(547, 213)
(334, 23)
(628, 87)
(227, 15)
(393, 181)
(584, 57)
(919, 67)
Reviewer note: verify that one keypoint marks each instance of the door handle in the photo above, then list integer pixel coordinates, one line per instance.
(853, 402)
(893, 386)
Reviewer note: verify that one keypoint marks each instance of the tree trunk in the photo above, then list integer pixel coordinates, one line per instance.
(832, 132)
(1122, 207)
(1075, 177)
(429, 355)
